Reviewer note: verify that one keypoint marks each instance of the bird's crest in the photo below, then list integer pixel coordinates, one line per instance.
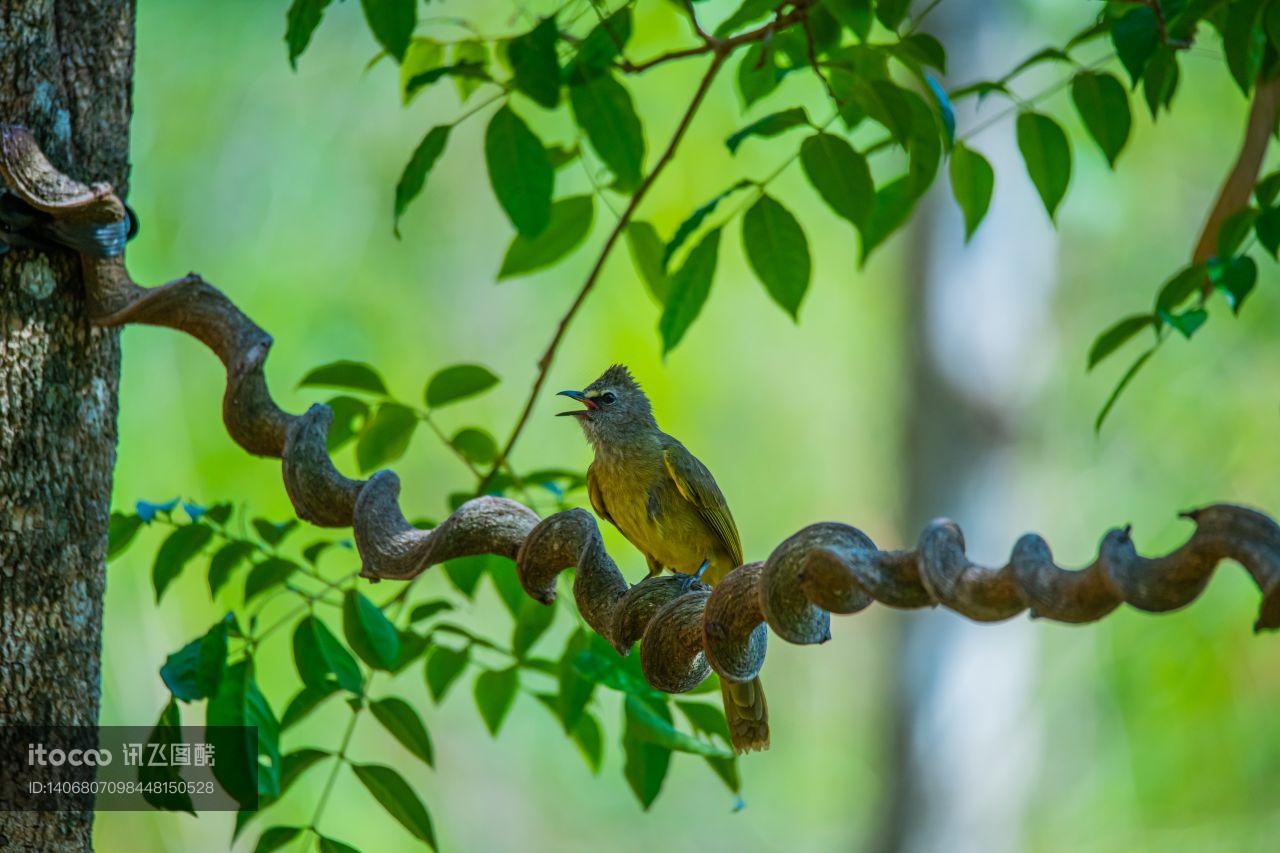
(618, 377)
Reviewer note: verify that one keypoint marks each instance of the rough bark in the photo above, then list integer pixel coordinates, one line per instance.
(67, 66)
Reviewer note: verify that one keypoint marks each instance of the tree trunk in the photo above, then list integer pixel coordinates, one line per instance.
(68, 67)
(964, 723)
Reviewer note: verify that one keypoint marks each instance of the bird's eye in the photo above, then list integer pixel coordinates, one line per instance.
(608, 397)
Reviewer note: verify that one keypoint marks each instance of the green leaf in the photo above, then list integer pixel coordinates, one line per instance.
(921, 49)
(273, 533)
(1136, 36)
(1244, 41)
(646, 254)
(298, 762)
(1047, 153)
(352, 375)
(601, 47)
(1267, 189)
(1160, 80)
(458, 383)
(386, 436)
(570, 223)
(424, 611)
(300, 23)
(644, 723)
(855, 15)
(349, 416)
(444, 666)
(778, 252)
(412, 647)
(495, 691)
(416, 170)
(840, 175)
(769, 126)
(1177, 289)
(476, 445)
(706, 718)
(1188, 322)
(175, 552)
(502, 573)
(317, 653)
(575, 690)
(328, 845)
(519, 172)
(1268, 229)
(646, 762)
(748, 12)
(1103, 105)
(395, 795)
(166, 732)
(304, 702)
(758, 76)
(193, 672)
(972, 181)
(120, 532)
(887, 104)
(534, 64)
(1234, 278)
(893, 204)
(891, 12)
(687, 228)
(400, 719)
(602, 107)
(690, 287)
(392, 23)
(1117, 336)
(465, 573)
(422, 57)
(470, 59)
(1123, 383)
(1040, 57)
(588, 738)
(275, 838)
(268, 574)
(532, 622)
(1234, 229)
(226, 560)
(240, 726)
(368, 631)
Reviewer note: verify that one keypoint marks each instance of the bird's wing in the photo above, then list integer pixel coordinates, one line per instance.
(699, 488)
(597, 499)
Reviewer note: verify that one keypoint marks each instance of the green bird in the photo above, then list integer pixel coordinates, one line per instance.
(667, 504)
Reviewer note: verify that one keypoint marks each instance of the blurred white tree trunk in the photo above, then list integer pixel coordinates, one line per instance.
(966, 727)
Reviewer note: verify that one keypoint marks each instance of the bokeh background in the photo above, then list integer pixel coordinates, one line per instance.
(1140, 732)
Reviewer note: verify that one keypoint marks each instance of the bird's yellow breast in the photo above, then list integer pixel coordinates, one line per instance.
(644, 504)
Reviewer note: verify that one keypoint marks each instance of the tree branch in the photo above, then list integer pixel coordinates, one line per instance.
(687, 631)
(1240, 181)
(713, 45)
(544, 363)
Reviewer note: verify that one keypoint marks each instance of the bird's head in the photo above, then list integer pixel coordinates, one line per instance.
(615, 409)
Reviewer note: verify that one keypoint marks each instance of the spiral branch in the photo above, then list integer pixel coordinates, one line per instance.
(686, 629)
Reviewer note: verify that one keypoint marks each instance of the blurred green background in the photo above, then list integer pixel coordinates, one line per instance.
(1152, 732)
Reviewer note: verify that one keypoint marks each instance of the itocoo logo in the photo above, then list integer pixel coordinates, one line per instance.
(39, 754)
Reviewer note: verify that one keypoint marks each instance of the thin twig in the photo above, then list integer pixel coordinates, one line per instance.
(725, 46)
(544, 363)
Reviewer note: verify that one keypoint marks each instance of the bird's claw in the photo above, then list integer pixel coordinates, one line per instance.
(687, 582)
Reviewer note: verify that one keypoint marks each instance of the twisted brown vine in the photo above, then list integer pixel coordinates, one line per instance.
(687, 629)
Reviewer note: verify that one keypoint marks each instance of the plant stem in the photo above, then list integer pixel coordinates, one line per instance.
(544, 363)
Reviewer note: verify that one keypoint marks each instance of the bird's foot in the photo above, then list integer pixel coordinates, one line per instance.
(687, 582)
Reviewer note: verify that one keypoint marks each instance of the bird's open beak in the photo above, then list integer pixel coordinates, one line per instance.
(581, 398)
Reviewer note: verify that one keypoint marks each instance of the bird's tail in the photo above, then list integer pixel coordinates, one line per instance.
(748, 714)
